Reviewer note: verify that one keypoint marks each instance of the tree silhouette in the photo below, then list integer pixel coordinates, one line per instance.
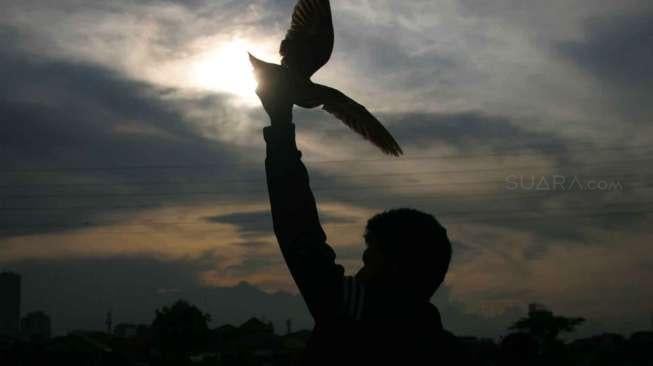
(543, 325)
(179, 330)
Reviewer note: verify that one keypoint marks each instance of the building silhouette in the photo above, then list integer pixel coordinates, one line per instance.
(9, 304)
(109, 322)
(36, 326)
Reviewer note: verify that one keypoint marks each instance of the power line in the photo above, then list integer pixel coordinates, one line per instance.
(531, 211)
(384, 160)
(342, 176)
(443, 217)
(252, 191)
(477, 198)
(566, 216)
(466, 156)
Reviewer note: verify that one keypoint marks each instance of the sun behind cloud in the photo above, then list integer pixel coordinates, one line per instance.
(226, 68)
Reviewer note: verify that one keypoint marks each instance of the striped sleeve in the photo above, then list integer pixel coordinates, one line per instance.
(353, 298)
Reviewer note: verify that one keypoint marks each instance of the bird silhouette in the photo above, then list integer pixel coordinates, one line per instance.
(306, 48)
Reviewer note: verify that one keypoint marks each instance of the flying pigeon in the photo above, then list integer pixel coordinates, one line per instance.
(307, 47)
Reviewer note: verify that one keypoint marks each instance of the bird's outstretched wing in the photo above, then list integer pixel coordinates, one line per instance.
(309, 42)
(358, 118)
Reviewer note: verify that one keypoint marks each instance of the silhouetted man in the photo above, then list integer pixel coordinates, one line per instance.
(381, 315)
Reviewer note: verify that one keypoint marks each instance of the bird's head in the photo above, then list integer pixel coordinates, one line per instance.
(263, 70)
(270, 76)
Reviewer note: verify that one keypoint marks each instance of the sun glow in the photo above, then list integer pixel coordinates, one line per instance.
(227, 69)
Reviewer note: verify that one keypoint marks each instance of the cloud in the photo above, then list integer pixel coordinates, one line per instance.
(152, 41)
(80, 140)
(616, 49)
(615, 52)
(260, 222)
(470, 131)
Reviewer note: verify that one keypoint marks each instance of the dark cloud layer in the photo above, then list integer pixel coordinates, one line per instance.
(78, 135)
(55, 106)
(473, 131)
(616, 49)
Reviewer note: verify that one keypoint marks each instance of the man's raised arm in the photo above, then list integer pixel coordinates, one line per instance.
(297, 226)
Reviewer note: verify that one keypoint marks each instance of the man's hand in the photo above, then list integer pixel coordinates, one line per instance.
(275, 97)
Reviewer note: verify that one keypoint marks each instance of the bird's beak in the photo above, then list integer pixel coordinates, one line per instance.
(254, 61)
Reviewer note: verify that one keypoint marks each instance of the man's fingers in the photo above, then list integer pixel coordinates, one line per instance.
(273, 97)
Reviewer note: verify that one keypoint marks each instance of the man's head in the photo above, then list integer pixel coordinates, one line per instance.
(406, 248)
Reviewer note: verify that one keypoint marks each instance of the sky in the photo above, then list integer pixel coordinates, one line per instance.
(132, 154)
